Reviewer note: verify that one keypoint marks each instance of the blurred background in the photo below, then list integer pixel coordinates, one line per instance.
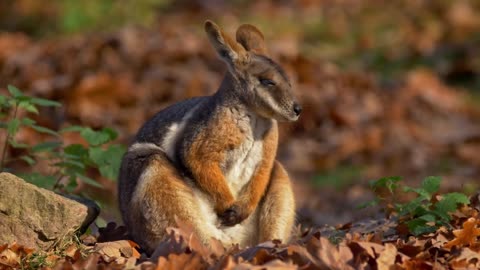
(389, 88)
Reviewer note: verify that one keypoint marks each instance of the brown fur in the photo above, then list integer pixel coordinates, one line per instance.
(251, 38)
(278, 207)
(207, 153)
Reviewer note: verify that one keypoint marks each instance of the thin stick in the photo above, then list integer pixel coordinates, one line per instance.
(7, 139)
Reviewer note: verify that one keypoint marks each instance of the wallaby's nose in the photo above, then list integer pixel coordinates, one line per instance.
(297, 109)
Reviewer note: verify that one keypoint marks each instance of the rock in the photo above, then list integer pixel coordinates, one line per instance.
(36, 217)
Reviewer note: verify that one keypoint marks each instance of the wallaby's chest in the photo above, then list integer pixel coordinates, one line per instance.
(242, 161)
(242, 164)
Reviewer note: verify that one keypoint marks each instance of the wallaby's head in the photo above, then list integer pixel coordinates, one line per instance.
(259, 81)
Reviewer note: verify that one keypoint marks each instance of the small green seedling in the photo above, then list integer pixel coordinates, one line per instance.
(423, 214)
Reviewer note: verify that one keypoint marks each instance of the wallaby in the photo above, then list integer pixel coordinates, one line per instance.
(210, 161)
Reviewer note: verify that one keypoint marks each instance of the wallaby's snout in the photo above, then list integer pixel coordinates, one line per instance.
(297, 108)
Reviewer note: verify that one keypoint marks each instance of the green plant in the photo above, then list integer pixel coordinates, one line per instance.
(423, 214)
(68, 162)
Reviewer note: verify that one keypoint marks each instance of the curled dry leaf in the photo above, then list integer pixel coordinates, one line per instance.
(89, 263)
(300, 256)
(373, 250)
(8, 258)
(174, 244)
(467, 258)
(184, 261)
(330, 256)
(387, 257)
(11, 255)
(465, 236)
(111, 251)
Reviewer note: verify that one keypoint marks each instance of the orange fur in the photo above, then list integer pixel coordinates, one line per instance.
(278, 207)
(207, 153)
(252, 193)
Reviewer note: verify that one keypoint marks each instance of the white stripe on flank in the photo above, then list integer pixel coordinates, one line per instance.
(175, 130)
(144, 146)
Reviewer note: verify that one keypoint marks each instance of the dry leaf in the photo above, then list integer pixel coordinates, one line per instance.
(9, 258)
(111, 251)
(181, 261)
(466, 236)
(386, 260)
(466, 258)
(330, 256)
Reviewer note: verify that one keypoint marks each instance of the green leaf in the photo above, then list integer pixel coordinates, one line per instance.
(45, 102)
(43, 181)
(428, 217)
(28, 159)
(108, 161)
(4, 101)
(16, 144)
(28, 121)
(89, 181)
(45, 147)
(420, 191)
(13, 126)
(431, 184)
(72, 184)
(419, 226)
(450, 201)
(410, 207)
(386, 182)
(14, 91)
(76, 150)
(29, 107)
(44, 130)
(72, 129)
(112, 134)
(96, 138)
(72, 163)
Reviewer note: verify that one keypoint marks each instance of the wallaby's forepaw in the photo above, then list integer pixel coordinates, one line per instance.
(232, 216)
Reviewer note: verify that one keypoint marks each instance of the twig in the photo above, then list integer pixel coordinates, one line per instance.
(7, 139)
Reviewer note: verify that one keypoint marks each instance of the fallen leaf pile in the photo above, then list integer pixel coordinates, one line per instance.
(447, 248)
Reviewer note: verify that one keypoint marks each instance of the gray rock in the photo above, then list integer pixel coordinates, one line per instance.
(36, 217)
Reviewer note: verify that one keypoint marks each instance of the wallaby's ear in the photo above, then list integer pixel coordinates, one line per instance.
(251, 39)
(228, 49)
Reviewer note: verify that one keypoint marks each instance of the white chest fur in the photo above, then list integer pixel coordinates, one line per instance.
(245, 161)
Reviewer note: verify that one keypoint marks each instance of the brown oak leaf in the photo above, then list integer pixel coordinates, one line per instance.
(466, 236)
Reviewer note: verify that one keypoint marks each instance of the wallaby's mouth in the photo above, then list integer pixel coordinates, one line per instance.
(287, 118)
(294, 118)
(296, 111)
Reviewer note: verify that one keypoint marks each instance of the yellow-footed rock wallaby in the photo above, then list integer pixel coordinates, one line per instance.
(210, 161)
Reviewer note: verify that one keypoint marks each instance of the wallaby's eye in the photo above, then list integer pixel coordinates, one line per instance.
(266, 82)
